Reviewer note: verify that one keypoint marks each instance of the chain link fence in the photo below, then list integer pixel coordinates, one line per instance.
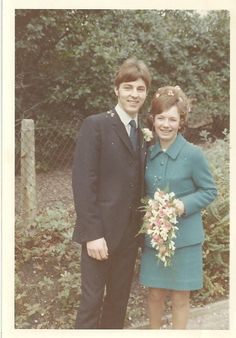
(43, 160)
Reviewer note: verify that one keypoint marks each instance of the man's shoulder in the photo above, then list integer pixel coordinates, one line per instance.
(99, 117)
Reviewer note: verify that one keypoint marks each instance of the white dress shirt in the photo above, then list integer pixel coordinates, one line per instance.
(125, 118)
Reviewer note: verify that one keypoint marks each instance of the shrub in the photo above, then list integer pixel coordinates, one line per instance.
(216, 221)
(47, 262)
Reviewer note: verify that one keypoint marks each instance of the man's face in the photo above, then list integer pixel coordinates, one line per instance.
(131, 96)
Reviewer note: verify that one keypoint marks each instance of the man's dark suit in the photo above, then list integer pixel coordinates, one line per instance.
(108, 178)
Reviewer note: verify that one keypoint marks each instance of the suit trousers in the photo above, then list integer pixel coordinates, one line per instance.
(112, 277)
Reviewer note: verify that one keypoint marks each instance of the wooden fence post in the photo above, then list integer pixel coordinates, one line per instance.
(28, 176)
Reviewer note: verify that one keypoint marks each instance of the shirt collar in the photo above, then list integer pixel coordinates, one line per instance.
(172, 151)
(125, 118)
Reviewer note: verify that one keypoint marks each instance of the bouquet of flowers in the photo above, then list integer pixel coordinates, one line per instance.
(159, 222)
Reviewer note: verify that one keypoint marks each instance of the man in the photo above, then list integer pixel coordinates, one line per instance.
(108, 175)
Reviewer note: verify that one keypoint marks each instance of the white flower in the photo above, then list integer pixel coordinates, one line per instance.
(147, 134)
(171, 194)
(170, 93)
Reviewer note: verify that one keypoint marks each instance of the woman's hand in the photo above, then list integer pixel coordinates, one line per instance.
(180, 207)
(97, 249)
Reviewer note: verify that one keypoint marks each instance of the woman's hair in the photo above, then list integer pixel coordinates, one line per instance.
(167, 97)
(131, 70)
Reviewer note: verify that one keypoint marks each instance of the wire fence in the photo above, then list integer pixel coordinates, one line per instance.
(43, 161)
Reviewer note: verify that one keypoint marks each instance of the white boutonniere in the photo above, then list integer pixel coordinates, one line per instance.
(110, 112)
(147, 134)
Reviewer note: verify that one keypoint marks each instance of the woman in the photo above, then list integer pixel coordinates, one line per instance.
(179, 166)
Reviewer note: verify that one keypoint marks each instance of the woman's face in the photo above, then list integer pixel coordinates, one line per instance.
(167, 125)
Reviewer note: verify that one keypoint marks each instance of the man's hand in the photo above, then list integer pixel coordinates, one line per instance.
(97, 249)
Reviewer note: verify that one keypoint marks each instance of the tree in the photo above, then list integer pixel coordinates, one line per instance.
(66, 59)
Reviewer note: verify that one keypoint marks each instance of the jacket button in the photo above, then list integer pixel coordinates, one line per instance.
(131, 185)
(162, 162)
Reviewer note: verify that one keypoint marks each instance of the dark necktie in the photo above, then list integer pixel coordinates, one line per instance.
(133, 134)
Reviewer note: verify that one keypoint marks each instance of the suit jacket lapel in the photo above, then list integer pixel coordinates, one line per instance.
(143, 145)
(121, 131)
(143, 153)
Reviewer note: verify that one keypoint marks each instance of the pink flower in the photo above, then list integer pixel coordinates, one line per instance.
(162, 249)
(160, 241)
(149, 226)
(167, 225)
(148, 214)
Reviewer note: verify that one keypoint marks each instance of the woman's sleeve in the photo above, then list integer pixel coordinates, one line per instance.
(205, 187)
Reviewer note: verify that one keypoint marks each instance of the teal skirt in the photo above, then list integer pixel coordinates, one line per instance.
(184, 273)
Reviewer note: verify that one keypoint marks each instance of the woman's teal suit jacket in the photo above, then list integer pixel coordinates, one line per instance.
(184, 170)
